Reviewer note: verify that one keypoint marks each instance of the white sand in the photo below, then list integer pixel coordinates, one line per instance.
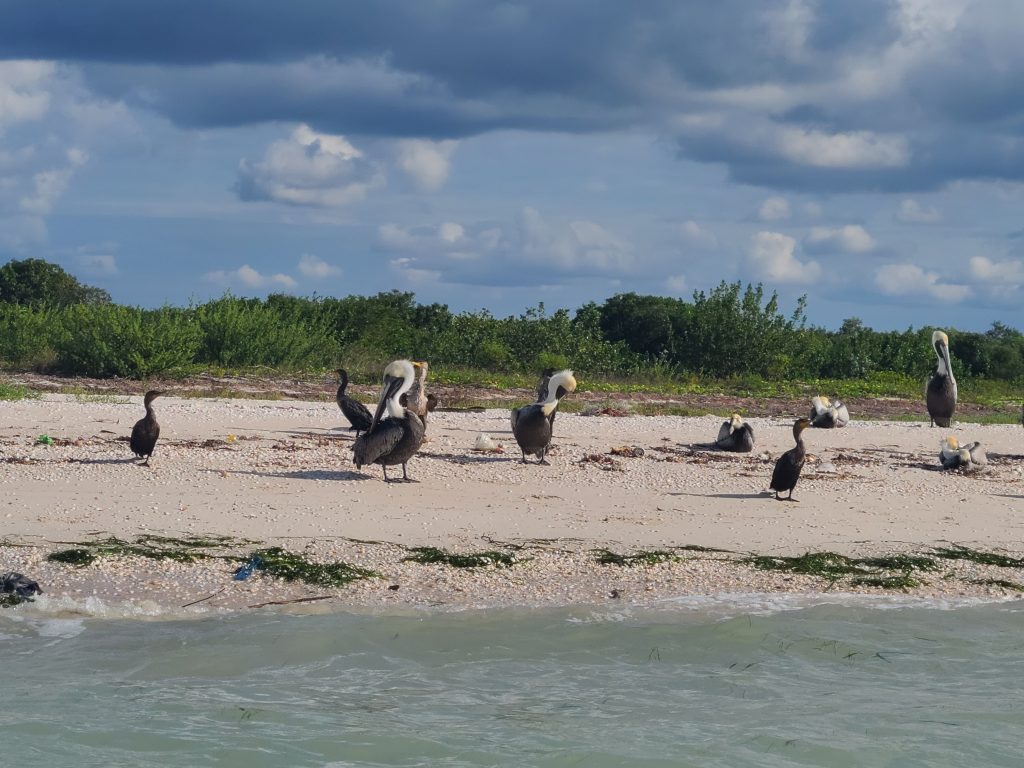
(288, 479)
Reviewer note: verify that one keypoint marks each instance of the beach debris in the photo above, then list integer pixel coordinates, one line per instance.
(292, 567)
(485, 444)
(435, 556)
(393, 587)
(151, 546)
(44, 439)
(648, 557)
(629, 451)
(615, 594)
(605, 462)
(593, 410)
(230, 439)
(243, 572)
(16, 588)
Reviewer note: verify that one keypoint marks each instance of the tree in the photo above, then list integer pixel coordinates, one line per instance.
(37, 283)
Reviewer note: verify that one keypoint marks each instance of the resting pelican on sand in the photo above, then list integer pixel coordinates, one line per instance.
(940, 394)
(146, 430)
(789, 464)
(531, 424)
(358, 415)
(735, 435)
(954, 456)
(827, 415)
(396, 439)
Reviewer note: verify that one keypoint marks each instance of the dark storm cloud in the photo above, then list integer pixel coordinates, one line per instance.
(784, 93)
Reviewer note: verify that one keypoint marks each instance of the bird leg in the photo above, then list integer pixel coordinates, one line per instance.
(524, 458)
(384, 467)
(405, 477)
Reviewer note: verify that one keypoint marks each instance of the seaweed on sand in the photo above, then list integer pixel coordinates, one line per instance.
(435, 556)
(289, 566)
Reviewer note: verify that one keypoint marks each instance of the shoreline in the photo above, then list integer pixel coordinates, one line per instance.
(280, 473)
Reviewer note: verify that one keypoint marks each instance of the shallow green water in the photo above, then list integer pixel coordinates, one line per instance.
(857, 684)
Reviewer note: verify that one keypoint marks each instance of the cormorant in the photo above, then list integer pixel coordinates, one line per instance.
(735, 435)
(146, 430)
(940, 394)
(827, 415)
(954, 456)
(789, 464)
(531, 424)
(396, 439)
(358, 415)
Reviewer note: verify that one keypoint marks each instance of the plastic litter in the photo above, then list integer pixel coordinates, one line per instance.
(44, 440)
(255, 563)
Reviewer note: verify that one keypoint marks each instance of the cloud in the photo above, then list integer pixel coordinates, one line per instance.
(773, 209)
(313, 267)
(695, 234)
(49, 185)
(248, 277)
(532, 250)
(912, 212)
(851, 238)
(771, 256)
(427, 163)
(1007, 273)
(912, 280)
(309, 168)
(24, 96)
(676, 283)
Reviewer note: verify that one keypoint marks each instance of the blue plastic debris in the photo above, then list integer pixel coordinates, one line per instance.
(244, 572)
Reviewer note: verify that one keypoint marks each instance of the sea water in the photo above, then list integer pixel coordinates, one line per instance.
(730, 682)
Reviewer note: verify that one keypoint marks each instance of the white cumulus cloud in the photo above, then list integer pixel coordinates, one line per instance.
(772, 257)
(309, 168)
(695, 234)
(315, 267)
(427, 163)
(773, 209)
(912, 280)
(248, 277)
(1009, 272)
(912, 212)
(852, 238)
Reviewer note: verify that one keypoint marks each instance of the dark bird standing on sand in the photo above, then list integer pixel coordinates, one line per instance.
(940, 394)
(789, 464)
(735, 435)
(396, 439)
(146, 430)
(531, 424)
(358, 415)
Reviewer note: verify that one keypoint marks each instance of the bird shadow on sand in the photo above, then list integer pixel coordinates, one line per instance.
(300, 474)
(759, 495)
(460, 458)
(130, 460)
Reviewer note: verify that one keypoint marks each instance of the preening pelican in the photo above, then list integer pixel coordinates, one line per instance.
(396, 439)
(417, 397)
(532, 424)
(735, 435)
(146, 430)
(940, 394)
(954, 456)
(542, 390)
(828, 415)
(788, 466)
(358, 415)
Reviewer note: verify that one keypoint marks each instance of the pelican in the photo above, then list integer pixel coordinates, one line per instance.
(735, 435)
(396, 439)
(954, 456)
(358, 415)
(146, 430)
(417, 397)
(542, 391)
(789, 464)
(826, 414)
(531, 424)
(940, 394)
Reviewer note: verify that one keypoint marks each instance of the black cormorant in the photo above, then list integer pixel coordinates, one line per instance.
(358, 415)
(789, 464)
(146, 430)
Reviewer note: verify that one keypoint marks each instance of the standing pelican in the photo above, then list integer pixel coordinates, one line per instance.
(358, 415)
(789, 464)
(826, 414)
(940, 394)
(396, 439)
(417, 398)
(735, 435)
(531, 424)
(542, 391)
(146, 430)
(954, 456)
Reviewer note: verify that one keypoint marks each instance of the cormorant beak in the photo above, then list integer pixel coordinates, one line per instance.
(391, 386)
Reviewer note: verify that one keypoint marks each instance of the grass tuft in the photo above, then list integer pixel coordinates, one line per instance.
(435, 556)
(10, 391)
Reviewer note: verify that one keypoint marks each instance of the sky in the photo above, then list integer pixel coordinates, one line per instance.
(868, 154)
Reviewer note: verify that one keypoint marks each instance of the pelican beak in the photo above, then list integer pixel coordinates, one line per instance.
(391, 385)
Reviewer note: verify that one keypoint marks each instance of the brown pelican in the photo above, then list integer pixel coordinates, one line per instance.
(396, 439)
(826, 414)
(531, 424)
(358, 415)
(789, 464)
(954, 456)
(542, 391)
(940, 394)
(417, 398)
(735, 435)
(146, 430)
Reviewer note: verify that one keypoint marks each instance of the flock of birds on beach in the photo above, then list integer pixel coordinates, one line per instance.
(394, 439)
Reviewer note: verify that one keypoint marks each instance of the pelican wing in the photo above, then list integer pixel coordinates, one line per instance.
(380, 442)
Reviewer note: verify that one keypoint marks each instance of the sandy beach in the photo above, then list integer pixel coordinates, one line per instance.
(280, 473)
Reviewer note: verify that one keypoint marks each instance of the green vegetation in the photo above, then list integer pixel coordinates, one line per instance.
(435, 556)
(731, 340)
(291, 567)
(16, 392)
(864, 571)
(958, 552)
(652, 557)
